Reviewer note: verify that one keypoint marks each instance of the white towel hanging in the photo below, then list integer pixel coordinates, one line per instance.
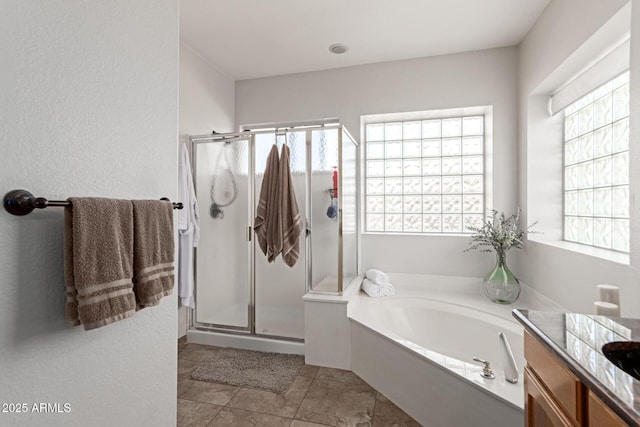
(188, 229)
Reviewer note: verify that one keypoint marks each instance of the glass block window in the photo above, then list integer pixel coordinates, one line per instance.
(424, 176)
(596, 167)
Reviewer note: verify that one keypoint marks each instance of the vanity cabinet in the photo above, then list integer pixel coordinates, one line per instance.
(553, 394)
(555, 397)
(541, 409)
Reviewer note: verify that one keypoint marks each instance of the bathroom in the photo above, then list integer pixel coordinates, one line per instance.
(97, 93)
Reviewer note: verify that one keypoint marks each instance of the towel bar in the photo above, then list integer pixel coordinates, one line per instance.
(22, 202)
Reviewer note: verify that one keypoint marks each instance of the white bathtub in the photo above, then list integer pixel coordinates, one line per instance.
(417, 348)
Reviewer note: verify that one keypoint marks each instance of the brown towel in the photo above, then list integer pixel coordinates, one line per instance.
(153, 245)
(289, 214)
(267, 223)
(98, 261)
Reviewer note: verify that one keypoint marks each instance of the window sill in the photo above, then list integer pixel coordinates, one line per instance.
(605, 254)
(399, 233)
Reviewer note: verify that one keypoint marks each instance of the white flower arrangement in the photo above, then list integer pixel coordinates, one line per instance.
(499, 234)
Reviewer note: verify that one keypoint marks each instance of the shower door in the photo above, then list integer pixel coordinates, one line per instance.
(236, 288)
(279, 308)
(224, 190)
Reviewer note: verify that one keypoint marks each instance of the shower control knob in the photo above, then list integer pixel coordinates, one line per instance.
(487, 372)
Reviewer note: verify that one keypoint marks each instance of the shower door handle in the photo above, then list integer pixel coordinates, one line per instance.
(249, 233)
(307, 228)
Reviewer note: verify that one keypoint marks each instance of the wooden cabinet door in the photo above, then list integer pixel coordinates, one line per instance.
(566, 389)
(600, 414)
(540, 408)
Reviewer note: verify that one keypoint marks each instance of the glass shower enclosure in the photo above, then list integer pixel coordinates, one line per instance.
(237, 290)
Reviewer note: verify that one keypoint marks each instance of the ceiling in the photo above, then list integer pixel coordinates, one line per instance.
(247, 39)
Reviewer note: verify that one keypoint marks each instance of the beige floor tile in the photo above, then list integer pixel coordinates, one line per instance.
(181, 347)
(196, 413)
(389, 415)
(185, 366)
(308, 371)
(343, 376)
(381, 397)
(267, 402)
(206, 392)
(241, 418)
(298, 423)
(337, 403)
(197, 352)
(319, 397)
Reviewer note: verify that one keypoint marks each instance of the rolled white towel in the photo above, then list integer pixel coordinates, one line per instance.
(374, 290)
(388, 289)
(371, 288)
(376, 276)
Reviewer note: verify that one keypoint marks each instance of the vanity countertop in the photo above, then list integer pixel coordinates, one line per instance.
(577, 340)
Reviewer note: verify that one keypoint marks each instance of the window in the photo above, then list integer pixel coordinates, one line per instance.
(425, 176)
(596, 167)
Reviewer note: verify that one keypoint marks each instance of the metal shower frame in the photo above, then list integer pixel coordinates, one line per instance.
(249, 134)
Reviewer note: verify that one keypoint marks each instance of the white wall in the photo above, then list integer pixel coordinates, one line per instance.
(89, 92)
(207, 102)
(567, 277)
(207, 97)
(450, 81)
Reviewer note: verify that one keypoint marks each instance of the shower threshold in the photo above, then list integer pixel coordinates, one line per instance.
(245, 342)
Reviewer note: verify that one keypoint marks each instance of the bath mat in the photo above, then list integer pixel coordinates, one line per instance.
(268, 371)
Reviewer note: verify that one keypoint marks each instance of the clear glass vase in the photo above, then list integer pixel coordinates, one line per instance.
(501, 285)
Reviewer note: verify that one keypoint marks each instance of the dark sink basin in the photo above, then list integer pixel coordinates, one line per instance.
(625, 355)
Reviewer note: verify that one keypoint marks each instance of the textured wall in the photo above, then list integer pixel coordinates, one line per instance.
(89, 108)
(634, 134)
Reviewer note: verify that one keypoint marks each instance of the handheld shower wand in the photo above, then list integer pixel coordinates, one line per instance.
(508, 361)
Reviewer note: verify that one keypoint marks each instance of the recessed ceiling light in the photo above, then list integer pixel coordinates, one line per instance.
(338, 48)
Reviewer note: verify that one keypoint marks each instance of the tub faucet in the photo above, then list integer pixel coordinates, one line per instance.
(487, 372)
(508, 361)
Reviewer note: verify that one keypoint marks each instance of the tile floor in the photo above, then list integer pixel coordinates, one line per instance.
(318, 397)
